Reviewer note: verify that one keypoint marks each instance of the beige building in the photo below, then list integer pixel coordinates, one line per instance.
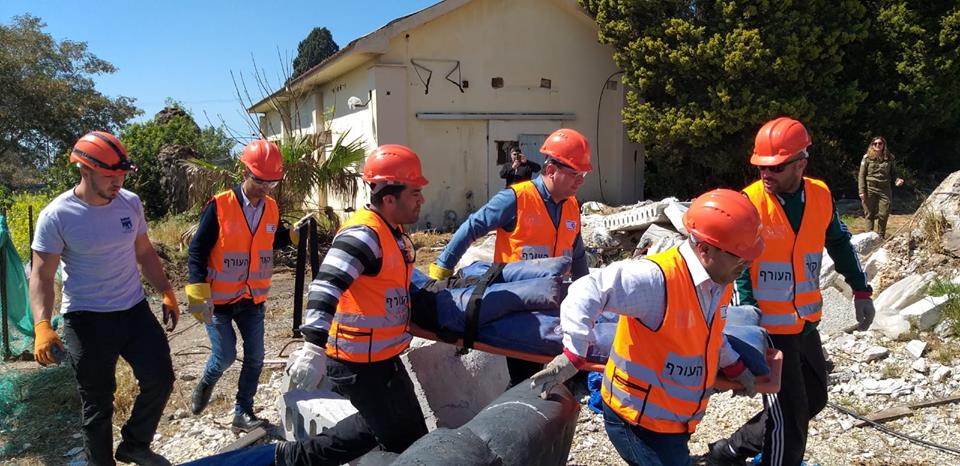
(461, 81)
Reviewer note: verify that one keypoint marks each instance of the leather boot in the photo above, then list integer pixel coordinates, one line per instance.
(139, 455)
(245, 422)
(200, 398)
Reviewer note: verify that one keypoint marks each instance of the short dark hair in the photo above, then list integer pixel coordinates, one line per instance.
(390, 190)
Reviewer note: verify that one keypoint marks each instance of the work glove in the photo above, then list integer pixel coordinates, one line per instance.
(739, 373)
(307, 366)
(438, 272)
(295, 230)
(47, 347)
(558, 371)
(199, 302)
(170, 310)
(863, 306)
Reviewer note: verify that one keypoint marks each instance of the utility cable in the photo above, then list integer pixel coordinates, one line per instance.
(596, 141)
(894, 433)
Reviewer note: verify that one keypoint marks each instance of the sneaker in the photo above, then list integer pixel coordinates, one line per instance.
(142, 456)
(722, 454)
(200, 398)
(245, 422)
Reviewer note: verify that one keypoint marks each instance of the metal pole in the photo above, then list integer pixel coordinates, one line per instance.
(3, 296)
(29, 227)
(298, 279)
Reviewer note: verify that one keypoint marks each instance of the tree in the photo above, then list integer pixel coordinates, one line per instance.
(145, 142)
(47, 95)
(314, 49)
(705, 75)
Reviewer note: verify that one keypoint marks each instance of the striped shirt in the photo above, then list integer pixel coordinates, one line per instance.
(355, 251)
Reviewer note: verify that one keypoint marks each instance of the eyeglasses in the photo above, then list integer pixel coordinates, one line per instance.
(877, 143)
(779, 168)
(569, 171)
(267, 183)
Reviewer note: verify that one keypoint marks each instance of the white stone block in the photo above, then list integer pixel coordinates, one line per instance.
(898, 296)
(453, 387)
(865, 243)
(838, 313)
(306, 413)
(941, 374)
(875, 353)
(926, 313)
(915, 348)
(637, 218)
(877, 261)
(920, 365)
(658, 239)
(674, 211)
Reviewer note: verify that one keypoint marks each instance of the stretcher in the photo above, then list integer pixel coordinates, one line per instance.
(769, 383)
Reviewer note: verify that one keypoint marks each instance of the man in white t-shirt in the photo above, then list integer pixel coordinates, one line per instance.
(99, 232)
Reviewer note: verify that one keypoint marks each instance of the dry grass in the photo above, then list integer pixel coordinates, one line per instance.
(429, 239)
(39, 411)
(175, 231)
(933, 225)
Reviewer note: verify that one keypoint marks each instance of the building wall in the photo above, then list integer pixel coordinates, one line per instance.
(520, 41)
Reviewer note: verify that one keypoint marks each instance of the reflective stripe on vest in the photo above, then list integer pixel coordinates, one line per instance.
(231, 272)
(534, 236)
(786, 276)
(661, 379)
(372, 315)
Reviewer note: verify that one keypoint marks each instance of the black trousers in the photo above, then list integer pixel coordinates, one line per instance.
(388, 415)
(780, 430)
(521, 370)
(94, 341)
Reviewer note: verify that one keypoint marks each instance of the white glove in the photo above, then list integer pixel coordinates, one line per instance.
(307, 366)
(558, 371)
(749, 382)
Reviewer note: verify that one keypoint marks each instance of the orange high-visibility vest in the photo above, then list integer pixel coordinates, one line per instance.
(372, 315)
(786, 276)
(241, 263)
(661, 379)
(534, 236)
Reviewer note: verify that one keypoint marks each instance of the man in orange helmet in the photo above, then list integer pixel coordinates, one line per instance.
(669, 343)
(534, 219)
(799, 220)
(358, 309)
(99, 232)
(231, 265)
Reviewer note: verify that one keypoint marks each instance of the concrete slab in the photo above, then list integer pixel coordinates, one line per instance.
(637, 218)
(926, 313)
(306, 413)
(453, 387)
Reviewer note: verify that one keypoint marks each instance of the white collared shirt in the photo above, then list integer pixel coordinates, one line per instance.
(635, 288)
(251, 212)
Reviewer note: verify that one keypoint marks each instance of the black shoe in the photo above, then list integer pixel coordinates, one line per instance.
(200, 398)
(722, 454)
(245, 422)
(139, 455)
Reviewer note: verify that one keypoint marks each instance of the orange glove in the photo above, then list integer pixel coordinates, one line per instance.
(46, 344)
(171, 310)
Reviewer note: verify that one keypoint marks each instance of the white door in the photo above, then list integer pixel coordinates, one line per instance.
(502, 134)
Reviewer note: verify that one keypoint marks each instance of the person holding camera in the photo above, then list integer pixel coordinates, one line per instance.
(519, 169)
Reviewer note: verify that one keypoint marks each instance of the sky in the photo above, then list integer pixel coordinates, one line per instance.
(185, 50)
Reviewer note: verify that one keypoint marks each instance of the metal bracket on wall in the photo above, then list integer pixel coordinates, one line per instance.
(426, 82)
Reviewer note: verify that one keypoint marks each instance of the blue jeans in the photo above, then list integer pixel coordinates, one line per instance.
(223, 346)
(639, 446)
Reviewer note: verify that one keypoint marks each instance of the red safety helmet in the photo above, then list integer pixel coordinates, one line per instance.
(778, 140)
(394, 164)
(102, 152)
(728, 220)
(570, 148)
(263, 159)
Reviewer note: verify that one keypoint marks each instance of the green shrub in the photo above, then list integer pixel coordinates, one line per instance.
(18, 220)
(951, 308)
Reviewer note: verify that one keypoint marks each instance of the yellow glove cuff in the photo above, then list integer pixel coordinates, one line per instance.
(439, 273)
(198, 293)
(294, 236)
(43, 325)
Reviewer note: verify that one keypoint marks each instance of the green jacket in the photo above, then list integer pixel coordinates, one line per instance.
(837, 244)
(876, 176)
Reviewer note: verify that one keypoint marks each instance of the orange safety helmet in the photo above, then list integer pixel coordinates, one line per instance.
(570, 148)
(728, 220)
(778, 140)
(263, 159)
(394, 164)
(102, 152)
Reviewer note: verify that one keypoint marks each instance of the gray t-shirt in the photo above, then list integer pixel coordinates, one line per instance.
(96, 247)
